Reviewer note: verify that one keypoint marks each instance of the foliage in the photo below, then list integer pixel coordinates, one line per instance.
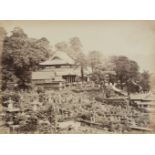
(145, 81)
(2, 36)
(74, 49)
(21, 55)
(77, 48)
(94, 59)
(124, 72)
(28, 123)
(6, 95)
(125, 69)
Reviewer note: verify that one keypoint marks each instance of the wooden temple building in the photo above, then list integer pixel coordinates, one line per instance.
(57, 71)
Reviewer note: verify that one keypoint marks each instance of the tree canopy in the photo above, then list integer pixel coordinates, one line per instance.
(74, 49)
(2, 36)
(94, 59)
(21, 55)
(125, 68)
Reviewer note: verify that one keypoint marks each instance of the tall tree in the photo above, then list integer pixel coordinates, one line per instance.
(2, 37)
(94, 59)
(62, 46)
(125, 69)
(145, 81)
(77, 49)
(21, 55)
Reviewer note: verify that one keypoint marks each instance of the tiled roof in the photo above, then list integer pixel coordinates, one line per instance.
(59, 58)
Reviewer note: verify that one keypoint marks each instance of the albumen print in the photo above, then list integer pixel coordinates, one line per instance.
(77, 77)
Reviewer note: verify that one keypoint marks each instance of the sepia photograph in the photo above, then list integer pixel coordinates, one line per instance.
(77, 77)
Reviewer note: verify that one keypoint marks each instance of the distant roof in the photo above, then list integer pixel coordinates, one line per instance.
(59, 58)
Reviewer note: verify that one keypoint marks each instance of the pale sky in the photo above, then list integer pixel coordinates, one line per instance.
(135, 39)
